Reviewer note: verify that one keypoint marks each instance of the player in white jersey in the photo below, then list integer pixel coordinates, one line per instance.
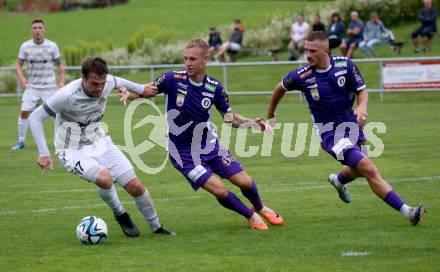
(41, 55)
(85, 150)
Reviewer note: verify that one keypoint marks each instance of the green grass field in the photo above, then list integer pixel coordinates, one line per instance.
(38, 214)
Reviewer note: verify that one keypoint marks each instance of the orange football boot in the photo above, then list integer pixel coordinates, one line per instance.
(257, 223)
(271, 216)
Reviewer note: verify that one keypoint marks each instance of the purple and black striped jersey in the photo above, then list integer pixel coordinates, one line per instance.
(188, 106)
(330, 94)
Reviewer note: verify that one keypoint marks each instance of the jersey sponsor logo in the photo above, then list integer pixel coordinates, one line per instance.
(341, 64)
(196, 173)
(211, 81)
(306, 74)
(340, 58)
(181, 85)
(160, 79)
(180, 72)
(210, 87)
(182, 91)
(341, 81)
(315, 94)
(340, 73)
(206, 103)
(179, 76)
(180, 99)
(208, 94)
(311, 80)
(357, 76)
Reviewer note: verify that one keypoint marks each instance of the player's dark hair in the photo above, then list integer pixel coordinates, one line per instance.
(95, 65)
(337, 15)
(316, 35)
(37, 21)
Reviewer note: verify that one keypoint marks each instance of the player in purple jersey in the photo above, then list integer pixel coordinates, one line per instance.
(330, 85)
(193, 143)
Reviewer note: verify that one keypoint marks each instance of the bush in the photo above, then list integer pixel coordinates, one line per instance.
(75, 55)
(8, 81)
(146, 37)
(393, 12)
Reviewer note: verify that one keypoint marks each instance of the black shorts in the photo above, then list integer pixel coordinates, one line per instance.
(424, 31)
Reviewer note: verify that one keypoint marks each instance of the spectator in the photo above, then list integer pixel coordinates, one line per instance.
(234, 43)
(214, 41)
(428, 18)
(335, 31)
(354, 35)
(374, 33)
(298, 34)
(317, 24)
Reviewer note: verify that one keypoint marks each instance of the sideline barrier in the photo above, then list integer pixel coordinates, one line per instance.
(224, 66)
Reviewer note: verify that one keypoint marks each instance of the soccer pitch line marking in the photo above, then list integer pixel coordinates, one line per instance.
(354, 254)
(296, 188)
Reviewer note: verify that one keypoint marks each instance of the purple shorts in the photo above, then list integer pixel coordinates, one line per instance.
(197, 175)
(344, 151)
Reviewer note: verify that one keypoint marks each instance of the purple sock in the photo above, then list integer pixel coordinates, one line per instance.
(253, 196)
(343, 180)
(393, 199)
(232, 202)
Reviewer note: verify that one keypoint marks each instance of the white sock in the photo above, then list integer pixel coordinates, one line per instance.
(406, 210)
(146, 207)
(22, 128)
(110, 196)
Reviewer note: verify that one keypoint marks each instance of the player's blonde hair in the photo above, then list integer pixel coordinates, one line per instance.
(198, 43)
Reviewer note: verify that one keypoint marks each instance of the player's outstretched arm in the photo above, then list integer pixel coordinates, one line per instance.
(277, 95)
(36, 120)
(361, 110)
(239, 121)
(150, 90)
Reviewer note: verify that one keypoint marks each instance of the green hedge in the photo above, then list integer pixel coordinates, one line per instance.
(392, 12)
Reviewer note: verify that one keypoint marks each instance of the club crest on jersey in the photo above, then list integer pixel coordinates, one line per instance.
(101, 100)
(341, 81)
(180, 99)
(210, 87)
(227, 160)
(206, 102)
(315, 94)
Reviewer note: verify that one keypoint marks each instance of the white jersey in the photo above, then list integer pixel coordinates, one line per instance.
(40, 60)
(78, 115)
(300, 31)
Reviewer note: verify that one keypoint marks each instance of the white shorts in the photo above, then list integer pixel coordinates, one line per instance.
(234, 46)
(89, 161)
(32, 96)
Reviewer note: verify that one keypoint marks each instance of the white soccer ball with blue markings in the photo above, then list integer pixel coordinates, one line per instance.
(92, 230)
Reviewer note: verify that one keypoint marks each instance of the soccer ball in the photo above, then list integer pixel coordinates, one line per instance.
(92, 230)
